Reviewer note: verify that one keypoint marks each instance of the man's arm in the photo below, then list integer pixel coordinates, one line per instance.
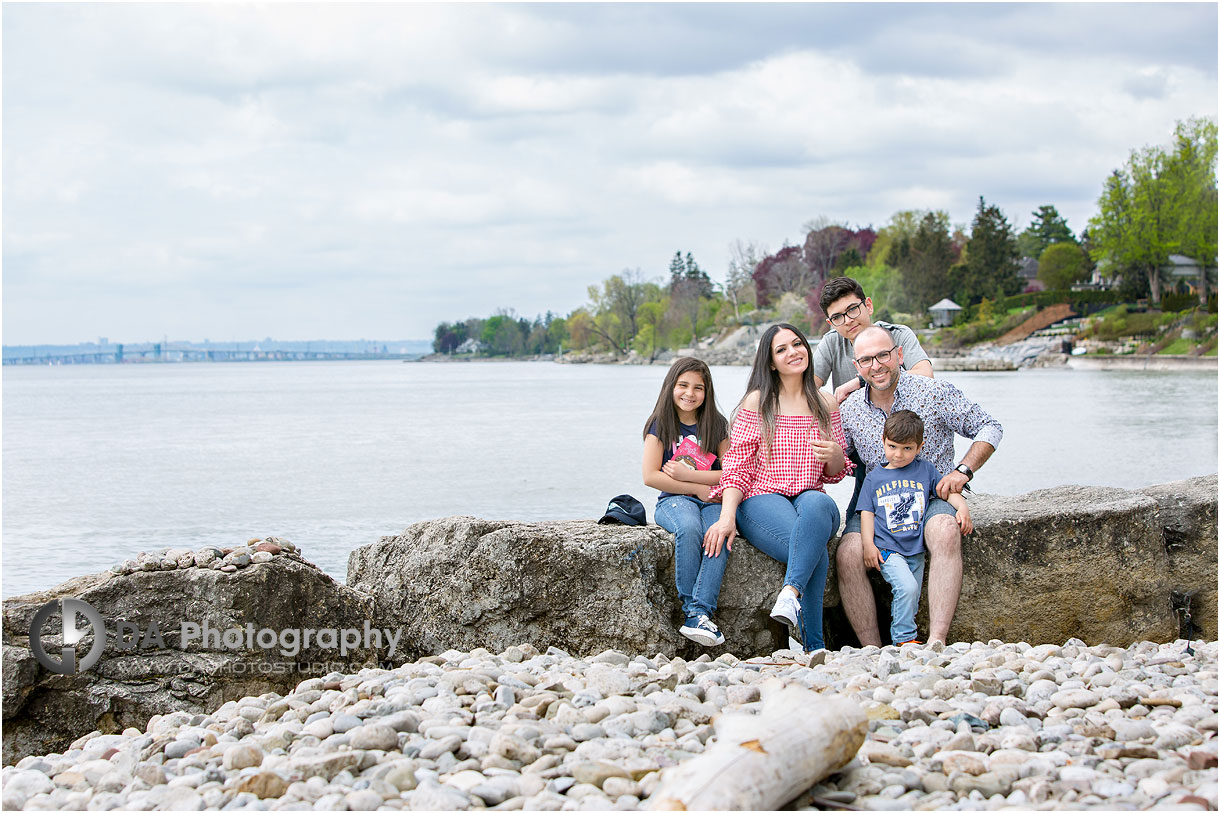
(821, 361)
(914, 358)
(955, 481)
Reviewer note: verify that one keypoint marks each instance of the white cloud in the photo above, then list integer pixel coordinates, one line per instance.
(371, 169)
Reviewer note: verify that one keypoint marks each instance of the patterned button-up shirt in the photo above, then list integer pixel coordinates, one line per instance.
(945, 412)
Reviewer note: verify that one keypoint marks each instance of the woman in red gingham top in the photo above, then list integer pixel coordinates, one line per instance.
(786, 441)
(792, 468)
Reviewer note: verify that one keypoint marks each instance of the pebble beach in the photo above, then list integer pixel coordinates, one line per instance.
(969, 726)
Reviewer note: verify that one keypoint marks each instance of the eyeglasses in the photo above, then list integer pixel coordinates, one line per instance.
(880, 358)
(850, 312)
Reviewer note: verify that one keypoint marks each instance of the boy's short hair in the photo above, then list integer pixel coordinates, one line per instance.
(838, 288)
(904, 426)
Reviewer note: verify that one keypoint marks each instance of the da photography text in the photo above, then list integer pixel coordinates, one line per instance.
(129, 635)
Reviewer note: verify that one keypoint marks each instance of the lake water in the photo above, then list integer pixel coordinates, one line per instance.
(102, 462)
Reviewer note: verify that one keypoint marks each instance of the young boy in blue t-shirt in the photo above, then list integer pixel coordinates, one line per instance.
(893, 503)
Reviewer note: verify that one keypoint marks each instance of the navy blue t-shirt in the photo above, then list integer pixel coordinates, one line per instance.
(684, 429)
(898, 498)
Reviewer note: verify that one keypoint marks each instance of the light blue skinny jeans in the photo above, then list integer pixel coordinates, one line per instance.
(795, 530)
(905, 575)
(698, 577)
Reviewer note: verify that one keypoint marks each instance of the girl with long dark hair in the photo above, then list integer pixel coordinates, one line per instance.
(685, 438)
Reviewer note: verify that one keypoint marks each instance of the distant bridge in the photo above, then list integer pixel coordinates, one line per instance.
(169, 353)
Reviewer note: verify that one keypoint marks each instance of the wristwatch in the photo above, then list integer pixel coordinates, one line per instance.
(863, 383)
(964, 469)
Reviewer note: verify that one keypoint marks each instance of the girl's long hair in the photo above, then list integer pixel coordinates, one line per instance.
(713, 428)
(765, 379)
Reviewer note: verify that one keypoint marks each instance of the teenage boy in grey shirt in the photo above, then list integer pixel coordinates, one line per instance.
(849, 311)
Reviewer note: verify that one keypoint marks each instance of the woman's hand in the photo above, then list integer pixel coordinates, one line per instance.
(703, 492)
(677, 470)
(719, 536)
(825, 451)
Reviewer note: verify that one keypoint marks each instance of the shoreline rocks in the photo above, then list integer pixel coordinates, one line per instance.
(145, 667)
(1080, 727)
(462, 582)
(1105, 566)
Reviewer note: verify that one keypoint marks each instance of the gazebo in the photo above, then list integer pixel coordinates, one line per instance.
(944, 312)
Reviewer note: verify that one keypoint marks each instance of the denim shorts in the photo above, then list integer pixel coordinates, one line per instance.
(935, 506)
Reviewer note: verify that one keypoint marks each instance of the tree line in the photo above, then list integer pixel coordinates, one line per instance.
(1161, 202)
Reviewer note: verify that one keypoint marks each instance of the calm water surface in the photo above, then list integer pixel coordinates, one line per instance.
(101, 462)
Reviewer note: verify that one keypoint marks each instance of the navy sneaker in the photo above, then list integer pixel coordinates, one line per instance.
(702, 630)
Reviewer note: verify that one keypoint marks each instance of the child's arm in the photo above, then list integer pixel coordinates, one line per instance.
(681, 471)
(872, 556)
(963, 513)
(655, 478)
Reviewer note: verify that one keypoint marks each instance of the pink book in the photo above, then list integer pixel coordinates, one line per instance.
(687, 451)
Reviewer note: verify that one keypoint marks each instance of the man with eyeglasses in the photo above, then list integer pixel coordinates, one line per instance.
(849, 312)
(945, 412)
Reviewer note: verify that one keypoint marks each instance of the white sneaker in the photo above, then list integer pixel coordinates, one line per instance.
(787, 610)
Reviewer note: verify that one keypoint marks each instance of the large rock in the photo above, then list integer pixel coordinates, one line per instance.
(44, 712)
(1186, 514)
(462, 582)
(1100, 564)
(1103, 565)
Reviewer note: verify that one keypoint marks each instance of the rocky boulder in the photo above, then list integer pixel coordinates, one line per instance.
(1104, 565)
(462, 582)
(139, 676)
(1099, 564)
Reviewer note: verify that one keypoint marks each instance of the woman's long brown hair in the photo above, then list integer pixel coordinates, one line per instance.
(765, 378)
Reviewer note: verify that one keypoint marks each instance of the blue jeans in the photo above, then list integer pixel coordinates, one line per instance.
(905, 575)
(698, 576)
(795, 530)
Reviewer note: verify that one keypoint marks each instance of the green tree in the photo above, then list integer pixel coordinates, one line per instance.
(923, 258)
(1062, 264)
(501, 335)
(557, 334)
(677, 268)
(1159, 203)
(990, 266)
(1047, 228)
(1133, 227)
(652, 328)
(615, 307)
(1191, 173)
(448, 337)
(848, 258)
(902, 224)
(579, 328)
(696, 276)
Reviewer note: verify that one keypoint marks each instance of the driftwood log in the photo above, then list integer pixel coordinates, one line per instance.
(763, 761)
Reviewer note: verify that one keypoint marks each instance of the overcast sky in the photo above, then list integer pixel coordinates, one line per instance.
(339, 171)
